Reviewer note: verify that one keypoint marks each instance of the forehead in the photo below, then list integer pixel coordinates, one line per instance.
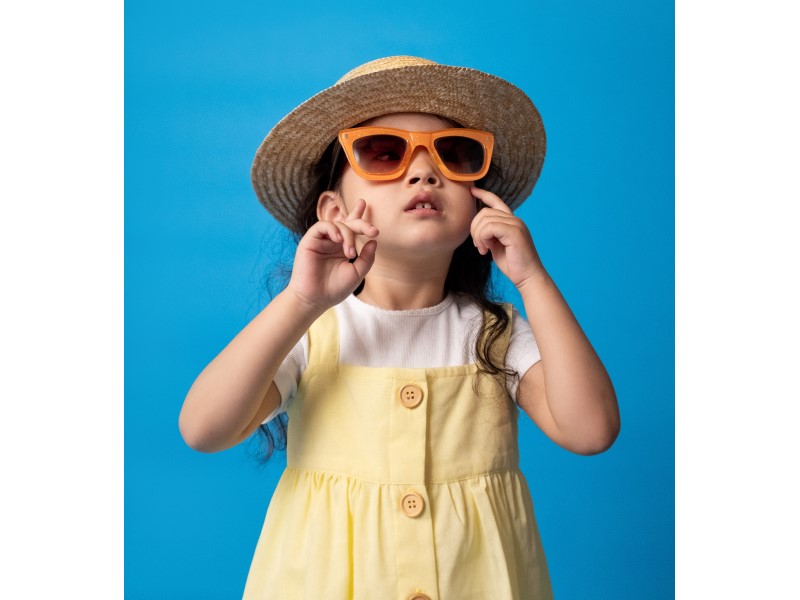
(409, 122)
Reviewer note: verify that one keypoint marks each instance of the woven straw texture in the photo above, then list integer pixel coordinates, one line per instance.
(283, 165)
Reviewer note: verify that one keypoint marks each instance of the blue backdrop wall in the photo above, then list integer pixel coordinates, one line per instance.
(204, 84)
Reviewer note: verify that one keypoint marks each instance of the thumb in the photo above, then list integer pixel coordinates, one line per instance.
(366, 258)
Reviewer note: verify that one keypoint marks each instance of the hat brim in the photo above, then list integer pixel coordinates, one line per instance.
(282, 171)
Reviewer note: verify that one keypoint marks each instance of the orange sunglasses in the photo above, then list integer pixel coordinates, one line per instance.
(382, 153)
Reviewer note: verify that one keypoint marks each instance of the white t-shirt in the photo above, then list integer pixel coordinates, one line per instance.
(439, 336)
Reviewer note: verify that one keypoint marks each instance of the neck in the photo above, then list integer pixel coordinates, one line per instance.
(404, 285)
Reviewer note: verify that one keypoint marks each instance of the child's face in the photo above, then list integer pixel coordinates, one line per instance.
(421, 212)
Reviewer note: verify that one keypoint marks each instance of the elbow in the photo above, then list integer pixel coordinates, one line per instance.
(596, 431)
(600, 439)
(196, 436)
(598, 444)
(605, 428)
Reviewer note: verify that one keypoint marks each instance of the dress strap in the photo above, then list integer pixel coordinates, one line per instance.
(323, 339)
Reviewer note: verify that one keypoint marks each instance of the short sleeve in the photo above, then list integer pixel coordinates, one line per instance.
(523, 351)
(288, 376)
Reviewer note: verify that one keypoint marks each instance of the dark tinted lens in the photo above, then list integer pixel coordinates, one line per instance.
(379, 153)
(459, 154)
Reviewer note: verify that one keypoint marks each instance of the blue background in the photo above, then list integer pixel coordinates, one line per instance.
(205, 82)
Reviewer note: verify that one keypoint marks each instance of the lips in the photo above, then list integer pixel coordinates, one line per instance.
(423, 201)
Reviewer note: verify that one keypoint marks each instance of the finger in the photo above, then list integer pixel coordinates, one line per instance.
(366, 259)
(484, 241)
(495, 219)
(489, 216)
(489, 199)
(473, 231)
(362, 227)
(325, 230)
(490, 231)
(480, 228)
(358, 210)
(356, 223)
(348, 239)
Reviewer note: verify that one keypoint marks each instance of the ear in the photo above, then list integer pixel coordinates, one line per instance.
(330, 207)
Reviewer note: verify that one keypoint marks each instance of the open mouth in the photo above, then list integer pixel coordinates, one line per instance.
(423, 203)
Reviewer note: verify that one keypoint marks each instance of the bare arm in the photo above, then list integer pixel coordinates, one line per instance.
(568, 394)
(235, 392)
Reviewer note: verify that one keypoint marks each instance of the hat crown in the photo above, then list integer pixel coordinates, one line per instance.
(385, 64)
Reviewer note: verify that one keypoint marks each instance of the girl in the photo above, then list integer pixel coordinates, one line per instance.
(401, 380)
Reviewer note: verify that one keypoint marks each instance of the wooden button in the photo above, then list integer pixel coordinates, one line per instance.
(411, 395)
(419, 597)
(413, 504)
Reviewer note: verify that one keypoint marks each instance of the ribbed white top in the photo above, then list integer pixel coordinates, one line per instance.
(440, 336)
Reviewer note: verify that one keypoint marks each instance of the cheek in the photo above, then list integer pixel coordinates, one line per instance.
(352, 187)
(472, 205)
(368, 216)
(475, 204)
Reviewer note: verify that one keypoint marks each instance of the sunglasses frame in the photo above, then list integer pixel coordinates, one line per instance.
(414, 139)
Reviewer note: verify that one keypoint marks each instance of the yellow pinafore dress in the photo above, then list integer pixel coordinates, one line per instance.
(400, 484)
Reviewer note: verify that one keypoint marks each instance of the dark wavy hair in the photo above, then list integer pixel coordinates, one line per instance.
(469, 276)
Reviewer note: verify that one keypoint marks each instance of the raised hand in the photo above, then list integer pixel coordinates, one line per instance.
(495, 229)
(327, 266)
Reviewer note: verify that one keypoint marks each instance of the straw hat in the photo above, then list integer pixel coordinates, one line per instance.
(282, 172)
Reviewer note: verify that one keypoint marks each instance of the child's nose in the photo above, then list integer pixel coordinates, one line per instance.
(422, 168)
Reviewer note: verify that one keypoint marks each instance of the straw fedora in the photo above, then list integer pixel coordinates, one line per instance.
(282, 171)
